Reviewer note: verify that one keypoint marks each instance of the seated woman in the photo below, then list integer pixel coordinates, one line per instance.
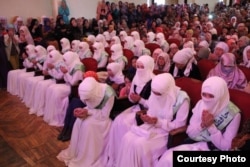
(160, 39)
(100, 55)
(75, 46)
(129, 43)
(117, 55)
(92, 125)
(115, 77)
(185, 65)
(139, 93)
(162, 63)
(228, 70)
(65, 44)
(57, 95)
(139, 48)
(214, 123)
(84, 51)
(69, 120)
(168, 109)
(156, 53)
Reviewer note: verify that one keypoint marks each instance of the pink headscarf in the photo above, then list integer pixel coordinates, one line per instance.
(229, 71)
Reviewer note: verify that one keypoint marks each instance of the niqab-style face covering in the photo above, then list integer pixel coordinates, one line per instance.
(54, 57)
(65, 45)
(117, 51)
(83, 49)
(98, 49)
(71, 59)
(91, 38)
(122, 35)
(161, 105)
(138, 47)
(100, 38)
(142, 76)
(128, 42)
(116, 69)
(91, 92)
(150, 37)
(75, 45)
(106, 36)
(135, 35)
(115, 40)
(160, 38)
(218, 88)
(41, 52)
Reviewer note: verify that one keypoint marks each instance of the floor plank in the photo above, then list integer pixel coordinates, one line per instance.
(26, 140)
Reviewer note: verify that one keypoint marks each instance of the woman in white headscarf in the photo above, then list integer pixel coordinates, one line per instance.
(115, 76)
(106, 36)
(160, 40)
(219, 50)
(168, 109)
(115, 40)
(139, 48)
(151, 37)
(91, 128)
(25, 35)
(65, 43)
(214, 123)
(185, 64)
(75, 46)
(117, 55)
(135, 35)
(84, 51)
(32, 81)
(100, 54)
(91, 40)
(246, 57)
(162, 63)
(100, 38)
(41, 55)
(12, 86)
(139, 93)
(53, 63)
(57, 95)
(122, 35)
(129, 43)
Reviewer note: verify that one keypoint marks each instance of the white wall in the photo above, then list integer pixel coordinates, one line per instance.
(36, 8)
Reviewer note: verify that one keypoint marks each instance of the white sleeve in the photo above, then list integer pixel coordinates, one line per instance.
(103, 62)
(73, 80)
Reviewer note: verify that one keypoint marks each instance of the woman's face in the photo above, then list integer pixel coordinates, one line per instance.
(161, 61)
(139, 65)
(110, 73)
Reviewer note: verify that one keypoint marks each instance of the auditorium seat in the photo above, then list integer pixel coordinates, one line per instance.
(152, 47)
(129, 55)
(205, 66)
(90, 64)
(246, 71)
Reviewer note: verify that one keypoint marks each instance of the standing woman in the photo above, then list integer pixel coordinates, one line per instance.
(91, 128)
(64, 11)
(139, 93)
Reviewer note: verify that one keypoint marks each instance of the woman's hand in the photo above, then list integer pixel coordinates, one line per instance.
(135, 97)
(81, 113)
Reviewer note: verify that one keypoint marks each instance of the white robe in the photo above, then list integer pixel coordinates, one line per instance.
(89, 138)
(12, 81)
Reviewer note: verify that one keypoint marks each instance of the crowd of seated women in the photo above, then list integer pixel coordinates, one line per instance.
(43, 76)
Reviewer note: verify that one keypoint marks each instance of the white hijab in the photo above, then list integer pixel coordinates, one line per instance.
(101, 38)
(27, 35)
(217, 87)
(98, 50)
(91, 38)
(138, 47)
(91, 92)
(83, 49)
(55, 57)
(106, 36)
(150, 37)
(122, 35)
(71, 59)
(162, 106)
(117, 51)
(142, 76)
(135, 35)
(50, 48)
(65, 43)
(41, 52)
(184, 56)
(128, 43)
(115, 40)
(116, 69)
(75, 46)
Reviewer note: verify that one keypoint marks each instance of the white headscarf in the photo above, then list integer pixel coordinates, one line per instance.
(138, 47)
(71, 59)
(54, 57)
(101, 38)
(117, 51)
(116, 69)
(30, 50)
(65, 43)
(128, 43)
(115, 40)
(41, 52)
(162, 106)
(150, 37)
(122, 35)
(75, 46)
(83, 49)
(142, 76)
(218, 88)
(27, 35)
(186, 57)
(98, 50)
(204, 44)
(223, 46)
(91, 38)
(50, 48)
(246, 62)
(189, 44)
(106, 36)
(91, 92)
(160, 40)
(135, 35)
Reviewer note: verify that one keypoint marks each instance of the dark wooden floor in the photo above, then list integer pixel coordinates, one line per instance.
(26, 140)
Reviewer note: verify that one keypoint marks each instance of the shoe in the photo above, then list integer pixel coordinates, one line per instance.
(65, 138)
